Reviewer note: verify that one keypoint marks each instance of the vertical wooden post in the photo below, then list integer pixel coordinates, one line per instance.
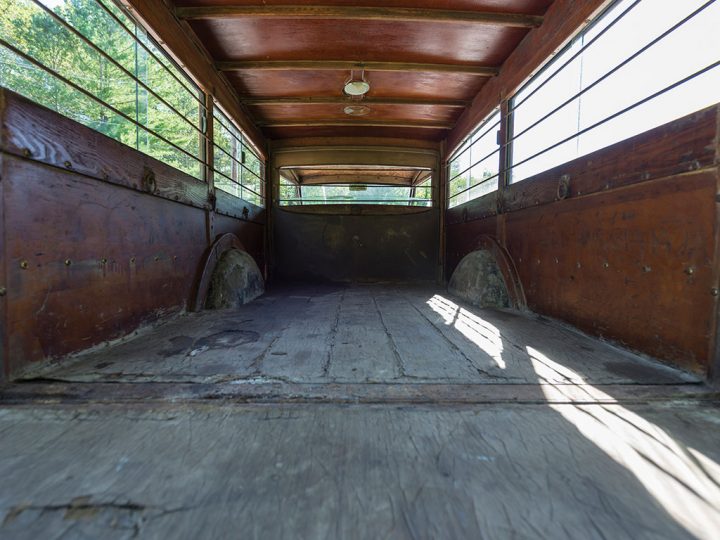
(4, 292)
(505, 160)
(713, 371)
(272, 183)
(209, 159)
(440, 191)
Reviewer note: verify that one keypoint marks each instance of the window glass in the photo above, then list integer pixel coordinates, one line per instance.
(561, 114)
(90, 61)
(473, 171)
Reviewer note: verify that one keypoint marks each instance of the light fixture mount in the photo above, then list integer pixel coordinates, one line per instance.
(355, 86)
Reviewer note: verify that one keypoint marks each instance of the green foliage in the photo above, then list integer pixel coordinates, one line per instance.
(164, 103)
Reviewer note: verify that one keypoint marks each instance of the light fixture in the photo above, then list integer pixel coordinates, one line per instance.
(356, 110)
(356, 86)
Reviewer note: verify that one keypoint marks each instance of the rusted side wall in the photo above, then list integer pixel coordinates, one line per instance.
(379, 247)
(92, 253)
(631, 254)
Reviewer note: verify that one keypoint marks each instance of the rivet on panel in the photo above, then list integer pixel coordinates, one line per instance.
(103, 261)
(714, 291)
(690, 270)
(3, 291)
(68, 262)
(24, 264)
(647, 269)
(606, 264)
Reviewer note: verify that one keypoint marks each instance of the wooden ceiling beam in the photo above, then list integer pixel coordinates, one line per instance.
(354, 123)
(341, 65)
(455, 103)
(349, 178)
(517, 20)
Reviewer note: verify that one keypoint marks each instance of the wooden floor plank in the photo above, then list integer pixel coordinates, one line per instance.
(362, 351)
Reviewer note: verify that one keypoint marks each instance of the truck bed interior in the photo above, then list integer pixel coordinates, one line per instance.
(404, 269)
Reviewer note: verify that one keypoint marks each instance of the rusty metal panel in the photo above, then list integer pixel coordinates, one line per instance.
(384, 246)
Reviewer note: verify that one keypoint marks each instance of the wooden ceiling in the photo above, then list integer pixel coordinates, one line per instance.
(425, 60)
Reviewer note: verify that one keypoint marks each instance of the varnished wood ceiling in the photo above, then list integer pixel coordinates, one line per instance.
(425, 60)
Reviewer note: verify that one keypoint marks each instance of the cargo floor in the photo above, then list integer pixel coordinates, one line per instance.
(360, 412)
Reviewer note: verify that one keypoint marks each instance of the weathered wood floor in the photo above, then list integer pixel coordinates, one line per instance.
(360, 412)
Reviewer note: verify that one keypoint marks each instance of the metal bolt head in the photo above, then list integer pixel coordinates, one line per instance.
(690, 270)
(647, 269)
(3, 291)
(68, 262)
(103, 261)
(714, 291)
(606, 264)
(24, 264)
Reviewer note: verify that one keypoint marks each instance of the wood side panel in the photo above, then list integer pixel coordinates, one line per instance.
(250, 234)
(634, 265)
(88, 262)
(37, 133)
(462, 238)
(681, 146)
(561, 21)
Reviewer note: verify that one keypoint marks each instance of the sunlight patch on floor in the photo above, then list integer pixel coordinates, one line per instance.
(474, 328)
(684, 482)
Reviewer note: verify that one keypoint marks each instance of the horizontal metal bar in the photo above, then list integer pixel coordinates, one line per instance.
(237, 183)
(486, 122)
(351, 123)
(245, 167)
(519, 20)
(456, 103)
(611, 72)
(574, 56)
(245, 145)
(458, 175)
(474, 185)
(147, 49)
(117, 64)
(620, 113)
(80, 89)
(343, 65)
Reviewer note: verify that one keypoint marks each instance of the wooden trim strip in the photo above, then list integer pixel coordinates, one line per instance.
(517, 20)
(353, 123)
(344, 65)
(455, 103)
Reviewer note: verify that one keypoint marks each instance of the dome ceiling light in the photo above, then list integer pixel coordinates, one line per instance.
(357, 110)
(355, 86)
